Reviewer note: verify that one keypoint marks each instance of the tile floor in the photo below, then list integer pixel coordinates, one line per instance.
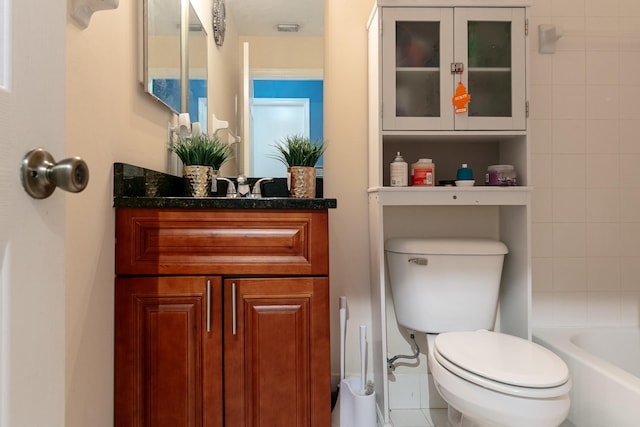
(428, 418)
(419, 417)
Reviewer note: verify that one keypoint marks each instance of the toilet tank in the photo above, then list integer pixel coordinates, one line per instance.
(441, 285)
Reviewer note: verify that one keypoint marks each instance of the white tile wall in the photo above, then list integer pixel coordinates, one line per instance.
(585, 156)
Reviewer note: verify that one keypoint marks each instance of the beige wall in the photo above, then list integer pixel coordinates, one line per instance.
(110, 118)
(285, 52)
(223, 66)
(164, 54)
(345, 127)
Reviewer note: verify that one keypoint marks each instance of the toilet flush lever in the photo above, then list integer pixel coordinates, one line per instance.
(41, 174)
(419, 261)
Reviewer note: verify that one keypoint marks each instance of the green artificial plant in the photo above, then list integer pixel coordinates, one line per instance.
(201, 150)
(298, 150)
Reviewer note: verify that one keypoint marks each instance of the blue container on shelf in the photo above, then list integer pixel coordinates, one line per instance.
(464, 173)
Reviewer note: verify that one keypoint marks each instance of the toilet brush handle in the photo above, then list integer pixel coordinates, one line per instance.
(343, 323)
(363, 357)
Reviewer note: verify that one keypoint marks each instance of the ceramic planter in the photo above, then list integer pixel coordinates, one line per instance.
(302, 182)
(198, 180)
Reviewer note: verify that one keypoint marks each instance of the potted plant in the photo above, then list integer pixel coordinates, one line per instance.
(300, 155)
(202, 156)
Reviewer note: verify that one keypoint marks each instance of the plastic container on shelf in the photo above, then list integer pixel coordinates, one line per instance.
(464, 177)
(464, 173)
(423, 173)
(501, 175)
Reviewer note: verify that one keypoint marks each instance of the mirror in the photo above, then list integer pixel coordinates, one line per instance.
(163, 73)
(283, 73)
(161, 52)
(197, 71)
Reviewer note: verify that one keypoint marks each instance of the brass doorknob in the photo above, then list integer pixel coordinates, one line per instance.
(41, 174)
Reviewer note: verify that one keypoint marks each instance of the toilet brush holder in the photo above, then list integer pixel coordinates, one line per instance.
(357, 407)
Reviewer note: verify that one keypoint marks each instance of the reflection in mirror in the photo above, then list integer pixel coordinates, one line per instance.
(164, 69)
(283, 73)
(161, 40)
(197, 97)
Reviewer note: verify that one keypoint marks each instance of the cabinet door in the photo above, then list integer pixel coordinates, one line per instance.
(417, 52)
(276, 345)
(490, 42)
(168, 358)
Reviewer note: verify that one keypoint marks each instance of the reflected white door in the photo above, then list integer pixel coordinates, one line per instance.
(32, 114)
(273, 119)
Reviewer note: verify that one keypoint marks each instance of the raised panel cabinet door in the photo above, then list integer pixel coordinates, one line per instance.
(277, 359)
(168, 362)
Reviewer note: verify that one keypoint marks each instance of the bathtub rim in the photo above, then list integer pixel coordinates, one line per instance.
(558, 340)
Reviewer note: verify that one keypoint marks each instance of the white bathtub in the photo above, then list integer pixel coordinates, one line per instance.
(605, 369)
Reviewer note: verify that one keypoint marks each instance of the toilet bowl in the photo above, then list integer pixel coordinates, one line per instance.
(490, 379)
(448, 289)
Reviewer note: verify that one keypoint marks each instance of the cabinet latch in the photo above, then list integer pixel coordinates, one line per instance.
(457, 67)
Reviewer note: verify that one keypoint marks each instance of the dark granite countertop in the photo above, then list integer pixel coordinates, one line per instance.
(136, 187)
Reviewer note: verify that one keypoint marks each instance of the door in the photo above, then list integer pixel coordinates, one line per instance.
(276, 346)
(273, 119)
(32, 281)
(168, 351)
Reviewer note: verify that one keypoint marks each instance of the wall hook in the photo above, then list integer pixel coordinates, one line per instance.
(548, 35)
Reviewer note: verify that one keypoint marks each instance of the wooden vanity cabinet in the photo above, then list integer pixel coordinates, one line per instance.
(222, 318)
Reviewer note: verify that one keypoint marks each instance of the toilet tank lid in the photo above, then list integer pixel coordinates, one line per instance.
(446, 246)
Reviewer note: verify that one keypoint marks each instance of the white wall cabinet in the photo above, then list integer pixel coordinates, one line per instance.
(428, 52)
(412, 45)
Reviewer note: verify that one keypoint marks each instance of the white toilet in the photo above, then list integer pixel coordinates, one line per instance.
(448, 288)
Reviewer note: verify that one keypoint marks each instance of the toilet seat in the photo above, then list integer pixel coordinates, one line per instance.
(503, 363)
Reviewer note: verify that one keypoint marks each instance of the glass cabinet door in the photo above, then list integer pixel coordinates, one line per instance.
(492, 49)
(417, 51)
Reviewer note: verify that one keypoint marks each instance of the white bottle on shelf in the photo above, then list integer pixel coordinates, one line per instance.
(399, 172)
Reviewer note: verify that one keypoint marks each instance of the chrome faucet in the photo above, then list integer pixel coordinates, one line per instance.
(256, 187)
(231, 188)
(244, 189)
